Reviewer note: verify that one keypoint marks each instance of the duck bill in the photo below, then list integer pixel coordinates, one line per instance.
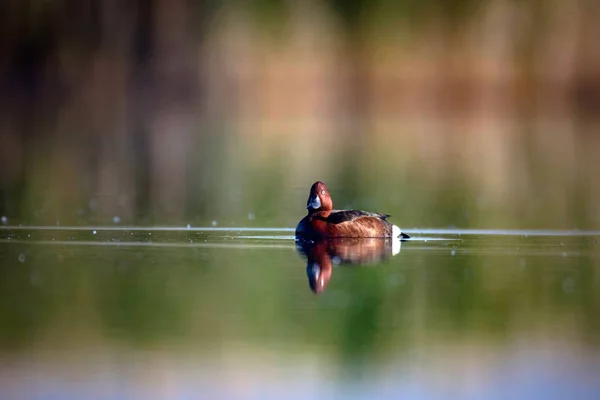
(313, 202)
(313, 271)
(315, 278)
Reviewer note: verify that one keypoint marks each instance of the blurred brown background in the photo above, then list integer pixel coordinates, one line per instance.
(472, 114)
(468, 113)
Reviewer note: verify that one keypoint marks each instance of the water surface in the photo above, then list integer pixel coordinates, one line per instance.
(230, 313)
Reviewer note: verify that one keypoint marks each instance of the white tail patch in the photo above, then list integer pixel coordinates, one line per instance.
(396, 232)
(396, 243)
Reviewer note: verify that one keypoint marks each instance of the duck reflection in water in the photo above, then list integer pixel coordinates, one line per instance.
(322, 254)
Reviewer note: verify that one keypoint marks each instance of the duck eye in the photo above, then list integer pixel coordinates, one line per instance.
(322, 192)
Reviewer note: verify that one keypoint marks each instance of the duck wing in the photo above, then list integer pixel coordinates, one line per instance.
(339, 216)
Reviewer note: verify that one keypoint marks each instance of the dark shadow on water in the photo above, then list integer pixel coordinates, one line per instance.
(323, 255)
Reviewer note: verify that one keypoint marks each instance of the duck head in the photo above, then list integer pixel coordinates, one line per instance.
(319, 199)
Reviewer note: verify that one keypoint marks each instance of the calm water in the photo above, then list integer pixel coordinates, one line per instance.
(218, 313)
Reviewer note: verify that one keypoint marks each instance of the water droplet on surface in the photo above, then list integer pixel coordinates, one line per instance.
(214, 223)
(116, 219)
(22, 258)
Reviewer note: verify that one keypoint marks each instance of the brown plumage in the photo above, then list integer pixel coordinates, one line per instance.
(323, 221)
(345, 251)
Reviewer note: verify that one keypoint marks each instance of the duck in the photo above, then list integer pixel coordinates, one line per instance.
(323, 221)
(322, 254)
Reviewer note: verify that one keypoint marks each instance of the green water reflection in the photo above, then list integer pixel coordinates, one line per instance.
(210, 297)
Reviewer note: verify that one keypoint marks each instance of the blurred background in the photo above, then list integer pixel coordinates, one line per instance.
(466, 112)
(443, 113)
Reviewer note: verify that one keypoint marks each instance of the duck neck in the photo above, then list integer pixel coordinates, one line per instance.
(320, 213)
